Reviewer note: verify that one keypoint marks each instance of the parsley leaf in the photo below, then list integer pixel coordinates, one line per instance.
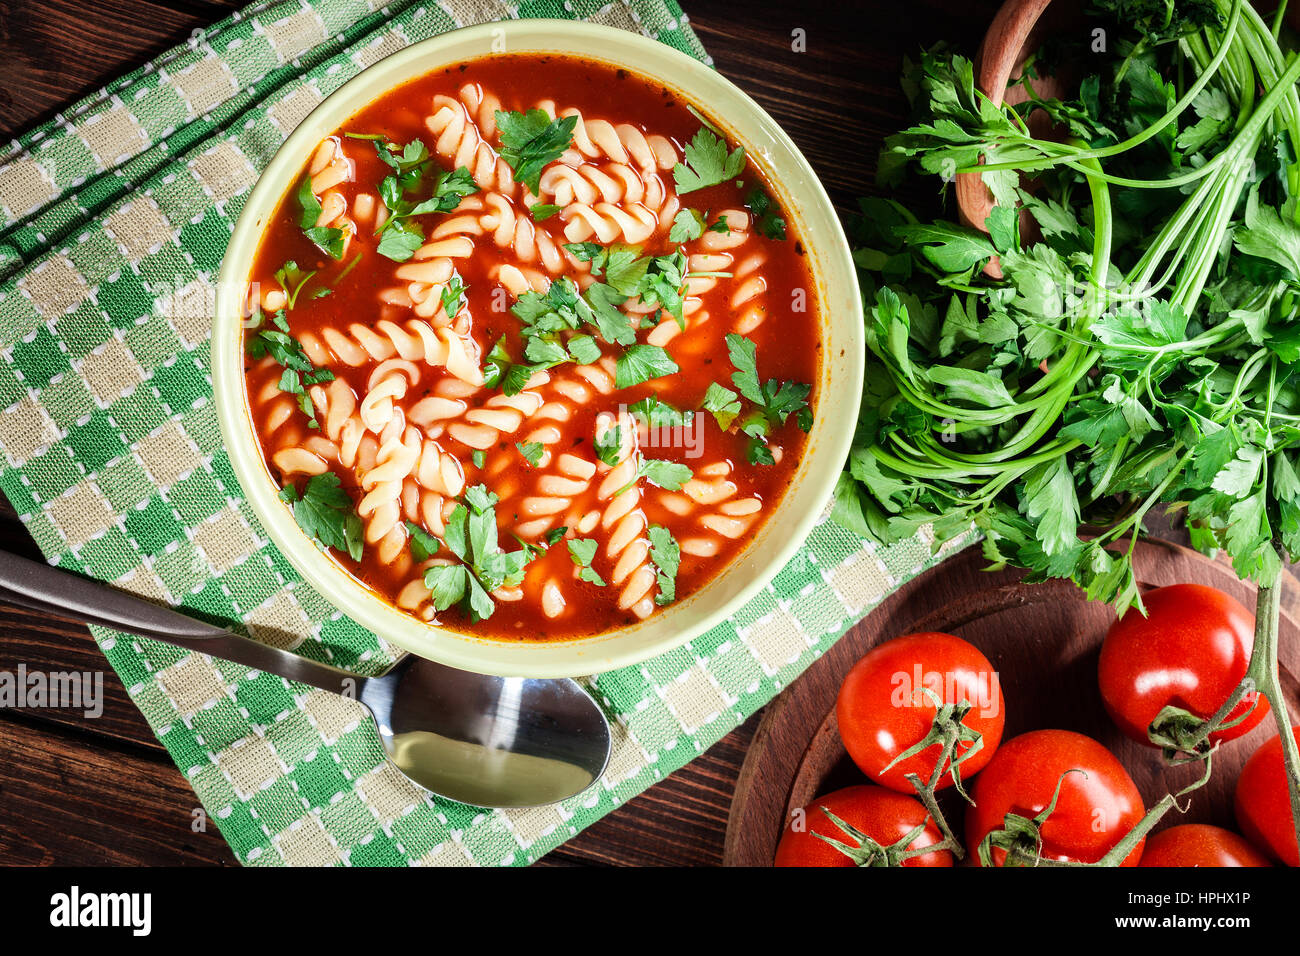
(449, 188)
(774, 401)
(608, 444)
(292, 280)
(688, 224)
(529, 141)
(401, 241)
(707, 163)
(670, 475)
(584, 349)
(299, 373)
(532, 451)
(582, 551)
(471, 535)
(659, 414)
(327, 515)
(641, 363)
(667, 558)
(767, 220)
(327, 238)
(723, 403)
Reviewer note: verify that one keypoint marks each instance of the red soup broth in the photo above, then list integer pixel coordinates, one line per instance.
(768, 297)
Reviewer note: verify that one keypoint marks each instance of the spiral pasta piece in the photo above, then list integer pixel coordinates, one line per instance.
(609, 223)
(329, 169)
(527, 241)
(416, 341)
(727, 515)
(621, 142)
(554, 494)
(627, 545)
(749, 295)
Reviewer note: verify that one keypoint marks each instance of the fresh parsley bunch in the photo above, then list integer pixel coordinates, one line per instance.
(1121, 334)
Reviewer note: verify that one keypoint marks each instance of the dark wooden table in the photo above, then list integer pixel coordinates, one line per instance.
(77, 791)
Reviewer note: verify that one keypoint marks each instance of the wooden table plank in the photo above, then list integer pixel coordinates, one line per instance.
(68, 798)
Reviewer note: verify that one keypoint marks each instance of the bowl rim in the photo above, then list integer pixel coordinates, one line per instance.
(831, 264)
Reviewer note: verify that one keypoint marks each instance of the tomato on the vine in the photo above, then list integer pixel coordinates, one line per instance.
(883, 708)
(883, 815)
(1190, 651)
(1199, 844)
(1262, 804)
(1094, 811)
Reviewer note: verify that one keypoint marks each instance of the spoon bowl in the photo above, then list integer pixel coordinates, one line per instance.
(490, 741)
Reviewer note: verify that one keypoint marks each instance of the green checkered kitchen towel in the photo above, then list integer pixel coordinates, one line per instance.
(115, 219)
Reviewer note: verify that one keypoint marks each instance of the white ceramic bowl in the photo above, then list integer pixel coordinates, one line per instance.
(840, 383)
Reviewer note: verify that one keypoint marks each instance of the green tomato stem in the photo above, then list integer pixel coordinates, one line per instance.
(1263, 670)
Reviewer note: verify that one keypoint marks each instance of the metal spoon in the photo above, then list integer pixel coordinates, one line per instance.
(486, 741)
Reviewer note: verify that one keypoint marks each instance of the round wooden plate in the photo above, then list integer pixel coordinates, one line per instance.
(1042, 638)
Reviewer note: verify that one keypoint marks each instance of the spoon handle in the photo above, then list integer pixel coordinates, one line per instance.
(39, 587)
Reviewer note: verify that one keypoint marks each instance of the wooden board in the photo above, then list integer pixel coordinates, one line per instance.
(1043, 639)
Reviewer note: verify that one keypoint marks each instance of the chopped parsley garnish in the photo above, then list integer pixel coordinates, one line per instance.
(723, 403)
(659, 414)
(603, 301)
(401, 241)
(667, 558)
(532, 451)
(559, 308)
(409, 163)
(471, 535)
(453, 295)
(399, 236)
(707, 163)
(721, 226)
(641, 363)
(500, 371)
(584, 251)
(584, 349)
(688, 224)
(608, 444)
(423, 545)
(529, 141)
(669, 475)
(328, 239)
(767, 220)
(774, 401)
(326, 514)
(537, 549)
(479, 457)
(292, 280)
(299, 373)
(583, 551)
(542, 211)
(657, 280)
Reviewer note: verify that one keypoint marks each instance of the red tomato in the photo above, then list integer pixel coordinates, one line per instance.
(881, 814)
(1198, 844)
(1093, 812)
(882, 710)
(1262, 804)
(1191, 651)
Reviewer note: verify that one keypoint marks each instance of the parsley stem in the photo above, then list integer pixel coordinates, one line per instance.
(1145, 134)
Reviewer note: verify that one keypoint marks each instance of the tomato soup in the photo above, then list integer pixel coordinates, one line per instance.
(530, 348)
